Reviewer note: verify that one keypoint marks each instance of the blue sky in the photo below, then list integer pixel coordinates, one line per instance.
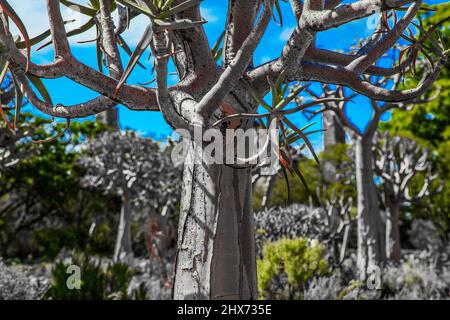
(33, 12)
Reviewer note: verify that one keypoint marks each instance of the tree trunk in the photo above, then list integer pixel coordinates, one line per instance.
(110, 118)
(334, 133)
(216, 246)
(333, 136)
(123, 251)
(370, 232)
(393, 247)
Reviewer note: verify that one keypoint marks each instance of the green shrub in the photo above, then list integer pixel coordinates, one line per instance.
(97, 283)
(47, 242)
(102, 240)
(288, 265)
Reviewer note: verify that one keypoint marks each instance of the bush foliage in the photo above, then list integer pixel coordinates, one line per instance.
(288, 265)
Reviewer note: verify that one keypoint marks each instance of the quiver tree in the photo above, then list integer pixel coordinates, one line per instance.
(416, 51)
(399, 161)
(370, 230)
(216, 247)
(126, 165)
(371, 239)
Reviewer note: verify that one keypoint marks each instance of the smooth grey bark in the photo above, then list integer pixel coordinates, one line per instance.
(393, 246)
(334, 133)
(216, 246)
(370, 231)
(333, 136)
(123, 250)
(110, 118)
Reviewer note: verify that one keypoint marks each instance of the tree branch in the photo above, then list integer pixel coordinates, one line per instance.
(341, 59)
(81, 110)
(58, 30)
(342, 76)
(377, 50)
(109, 42)
(111, 50)
(240, 22)
(198, 59)
(212, 100)
(327, 19)
(165, 102)
(133, 97)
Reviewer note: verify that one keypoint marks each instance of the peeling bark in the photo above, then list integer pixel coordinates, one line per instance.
(216, 249)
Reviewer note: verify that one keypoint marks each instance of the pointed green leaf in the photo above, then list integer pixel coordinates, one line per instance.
(79, 8)
(140, 49)
(39, 85)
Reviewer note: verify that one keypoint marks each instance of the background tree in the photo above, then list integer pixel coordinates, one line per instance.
(44, 210)
(367, 201)
(397, 162)
(216, 249)
(124, 165)
(428, 123)
(42, 206)
(371, 242)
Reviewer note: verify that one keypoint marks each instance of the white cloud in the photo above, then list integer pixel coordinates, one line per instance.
(208, 15)
(79, 20)
(137, 27)
(286, 33)
(34, 15)
(265, 59)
